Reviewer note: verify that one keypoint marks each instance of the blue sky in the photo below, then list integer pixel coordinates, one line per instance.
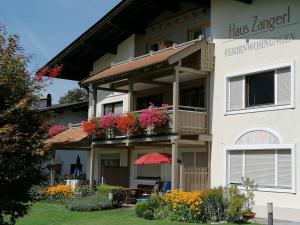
(48, 26)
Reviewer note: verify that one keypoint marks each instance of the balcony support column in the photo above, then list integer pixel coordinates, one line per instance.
(92, 166)
(175, 101)
(175, 166)
(94, 100)
(130, 95)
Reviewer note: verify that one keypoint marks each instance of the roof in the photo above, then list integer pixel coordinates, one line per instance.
(71, 135)
(127, 18)
(137, 63)
(76, 105)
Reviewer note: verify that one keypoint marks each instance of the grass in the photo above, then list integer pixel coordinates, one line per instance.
(52, 214)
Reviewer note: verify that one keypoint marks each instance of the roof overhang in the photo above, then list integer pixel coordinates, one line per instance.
(125, 19)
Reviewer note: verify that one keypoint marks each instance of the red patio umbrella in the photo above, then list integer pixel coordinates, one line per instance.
(154, 158)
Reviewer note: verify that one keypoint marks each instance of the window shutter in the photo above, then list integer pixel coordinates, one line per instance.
(284, 86)
(236, 167)
(284, 168)
(236, 93)
(260, 166)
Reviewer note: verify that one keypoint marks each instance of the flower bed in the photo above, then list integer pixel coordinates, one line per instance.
(210, 206)
(59, 193)
(93, 129)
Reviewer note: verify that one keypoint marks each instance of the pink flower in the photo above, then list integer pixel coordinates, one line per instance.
(56, 129)
(108, 121)
(154, 116)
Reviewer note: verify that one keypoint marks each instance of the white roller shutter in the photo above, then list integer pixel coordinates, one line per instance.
(236, 167)
(236, 93)
(284, 162)
(260, 166)
(284, 86)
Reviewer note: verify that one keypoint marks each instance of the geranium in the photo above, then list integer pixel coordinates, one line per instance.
(108, 121)
(51, 72)
(56, 129)
(158, 117)
(128, 123)
(92, 128)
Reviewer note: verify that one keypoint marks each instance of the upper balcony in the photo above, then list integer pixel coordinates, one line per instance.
(177, 76)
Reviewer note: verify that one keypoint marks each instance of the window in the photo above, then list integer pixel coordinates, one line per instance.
(116, 108)
(270, 168)
(144, 102)
(148, 172)
(260, 89)
(194, 97)
(196, 32)
(255, 91)
(157, 45)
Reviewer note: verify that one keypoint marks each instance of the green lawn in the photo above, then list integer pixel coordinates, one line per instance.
(51, 214)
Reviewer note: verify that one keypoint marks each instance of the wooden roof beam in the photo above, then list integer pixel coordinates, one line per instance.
(246, 1)
(128, 28)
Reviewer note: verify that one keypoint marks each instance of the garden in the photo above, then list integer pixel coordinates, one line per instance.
(217, 205)
(153, 120)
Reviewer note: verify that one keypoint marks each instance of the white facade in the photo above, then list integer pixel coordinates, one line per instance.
(261, 36)
(256, 46)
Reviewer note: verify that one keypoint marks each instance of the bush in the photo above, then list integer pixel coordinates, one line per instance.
(117, 192)
(214, 206)
(89, 203)
(83, 191)
(59, 194)
(38, 193)
(148, 209)
(236, 205)
(185, 205)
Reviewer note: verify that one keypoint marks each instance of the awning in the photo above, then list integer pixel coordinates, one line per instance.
(143, 61)
(71, 135)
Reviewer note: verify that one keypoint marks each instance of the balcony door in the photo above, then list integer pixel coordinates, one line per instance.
(193, 97)
(144, 102)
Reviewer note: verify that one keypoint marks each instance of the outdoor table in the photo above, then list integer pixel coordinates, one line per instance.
(129, 194)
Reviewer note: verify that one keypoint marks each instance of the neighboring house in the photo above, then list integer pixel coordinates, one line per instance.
(69, 115)
(233, 96)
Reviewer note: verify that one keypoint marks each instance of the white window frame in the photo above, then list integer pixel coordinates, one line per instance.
(255, 71)
(272, 147)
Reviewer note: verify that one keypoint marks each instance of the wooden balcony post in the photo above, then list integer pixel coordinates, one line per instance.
(175, 101)
(52, 171)
(95, 100)
(130, 95)
(174, 175)
(92, 166)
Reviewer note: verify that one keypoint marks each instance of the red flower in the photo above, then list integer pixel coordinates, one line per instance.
(56, 129)
(92, 128)
(128, 123)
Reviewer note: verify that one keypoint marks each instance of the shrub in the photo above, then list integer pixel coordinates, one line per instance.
(236, 205)
(185, 205)
(89, 203)
(83, 191)
(59, 193)
(117, 192)
(149, 208)
(56, 129)
(214, 206)
(38, 193)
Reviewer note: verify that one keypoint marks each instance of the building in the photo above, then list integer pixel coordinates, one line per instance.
(233, 91)
(69, 115)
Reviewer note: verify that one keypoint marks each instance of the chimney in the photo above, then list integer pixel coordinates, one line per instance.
(49, 100)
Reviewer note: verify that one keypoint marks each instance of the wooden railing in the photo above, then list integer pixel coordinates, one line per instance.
(194, 178)
(192, 120)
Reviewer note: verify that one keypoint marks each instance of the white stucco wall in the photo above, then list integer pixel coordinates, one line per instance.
(225, 128)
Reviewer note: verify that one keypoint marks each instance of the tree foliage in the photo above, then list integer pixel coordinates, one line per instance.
(22, 134)
(73, 96)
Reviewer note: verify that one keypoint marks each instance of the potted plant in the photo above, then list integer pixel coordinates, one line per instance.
(93, 129)
(109, 123)
(128, 124)
(155, 119)
(249, 186)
